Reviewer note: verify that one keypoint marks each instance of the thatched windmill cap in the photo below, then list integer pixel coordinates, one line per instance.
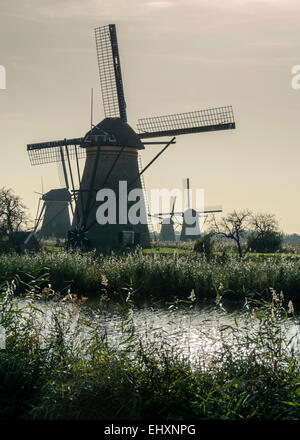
(57, 195)
(113, 131)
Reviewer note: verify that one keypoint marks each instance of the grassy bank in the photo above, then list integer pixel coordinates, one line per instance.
(50, 375)
(156, 276)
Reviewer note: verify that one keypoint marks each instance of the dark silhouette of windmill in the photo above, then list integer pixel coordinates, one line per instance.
(56, 217)
(111, 151)
(52, 217)
(190, 218)
(167, 232)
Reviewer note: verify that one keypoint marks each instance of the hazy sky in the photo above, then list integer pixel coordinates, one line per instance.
(176, 56)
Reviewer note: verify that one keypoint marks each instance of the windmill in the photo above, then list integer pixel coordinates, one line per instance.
(56, 218)
(111, 151)
(190, 218)
(167, 226)
(53, 216)
(167, 232)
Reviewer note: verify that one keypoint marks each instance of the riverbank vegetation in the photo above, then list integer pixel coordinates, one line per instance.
(155, 276)
(60, 364)
(54, 369)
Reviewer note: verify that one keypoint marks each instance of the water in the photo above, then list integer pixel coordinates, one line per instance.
(196, 333)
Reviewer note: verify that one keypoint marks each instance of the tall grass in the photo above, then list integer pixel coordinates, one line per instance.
(156, 276)
(59, 371)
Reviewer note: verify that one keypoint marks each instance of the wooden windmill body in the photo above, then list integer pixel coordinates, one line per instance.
(120, 147)
(167, 232)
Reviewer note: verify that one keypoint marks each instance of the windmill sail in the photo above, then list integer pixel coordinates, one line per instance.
(110, 72)
(220, 118)
(50, 152)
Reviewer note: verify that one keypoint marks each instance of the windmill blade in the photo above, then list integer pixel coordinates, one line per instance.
(38, 220)
(63, 164)
(39, 216)
(155, 216)
(206, 210)
(50, 152)
(211, 209)
(186, 183)
(172, 210)
(164, 213)
(110, 72)
(60, 173)
(220, 118)
(38, 210)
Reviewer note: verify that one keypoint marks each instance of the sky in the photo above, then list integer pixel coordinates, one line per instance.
(176, 56)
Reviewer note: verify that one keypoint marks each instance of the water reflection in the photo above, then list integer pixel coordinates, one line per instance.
(197, 333)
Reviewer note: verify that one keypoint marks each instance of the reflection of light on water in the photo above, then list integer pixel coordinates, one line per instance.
(193, 334)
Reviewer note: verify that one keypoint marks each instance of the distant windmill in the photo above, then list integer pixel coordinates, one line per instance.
(52, 215)
(111, 150)
(53, 210)
(190, 218)
(56, 218)
(167, 232)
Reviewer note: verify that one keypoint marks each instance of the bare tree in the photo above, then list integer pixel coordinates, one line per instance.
(235, 227)
(239, 225)
(264, 223)
(13, 213)
(264, 235)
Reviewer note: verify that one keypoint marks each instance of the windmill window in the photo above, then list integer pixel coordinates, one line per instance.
(127, 237)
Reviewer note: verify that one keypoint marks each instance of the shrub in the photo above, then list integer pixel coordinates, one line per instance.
(268, 242)
(204, 246)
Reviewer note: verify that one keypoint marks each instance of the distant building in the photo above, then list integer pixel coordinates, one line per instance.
(56, 221)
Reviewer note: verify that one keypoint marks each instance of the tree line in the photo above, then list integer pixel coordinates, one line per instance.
(249, 231)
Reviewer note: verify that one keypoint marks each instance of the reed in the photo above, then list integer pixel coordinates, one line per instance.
(156, 276)
(61, 372)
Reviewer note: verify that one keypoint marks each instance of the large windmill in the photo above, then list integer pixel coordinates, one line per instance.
(111, 150)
